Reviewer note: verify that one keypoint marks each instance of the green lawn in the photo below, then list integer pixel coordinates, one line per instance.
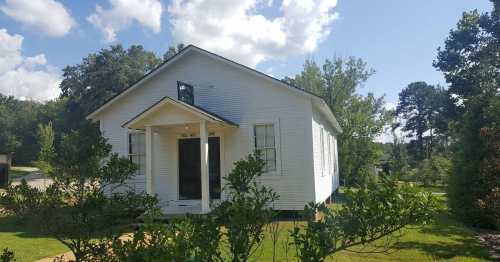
(27, 244)
(444, 239)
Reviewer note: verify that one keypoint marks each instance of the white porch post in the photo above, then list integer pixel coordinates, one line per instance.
(149, 160)
(205, 187)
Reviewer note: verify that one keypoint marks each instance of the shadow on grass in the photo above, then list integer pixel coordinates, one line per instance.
(12, 224)
(446, 238)
(446, 250)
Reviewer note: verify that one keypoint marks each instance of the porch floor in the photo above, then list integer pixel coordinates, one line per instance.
(178, 209)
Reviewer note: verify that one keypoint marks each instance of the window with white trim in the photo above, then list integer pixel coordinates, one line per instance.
(335, 152)
(137, 151)
(322, 148)
(329, 158)
(264, 138)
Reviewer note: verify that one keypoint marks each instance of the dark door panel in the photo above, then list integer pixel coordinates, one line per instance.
(190, 170)
(214, 166)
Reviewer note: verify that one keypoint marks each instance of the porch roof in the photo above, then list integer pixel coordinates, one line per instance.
(195, 110)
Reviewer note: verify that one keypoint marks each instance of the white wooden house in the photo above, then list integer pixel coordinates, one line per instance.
(186, 123)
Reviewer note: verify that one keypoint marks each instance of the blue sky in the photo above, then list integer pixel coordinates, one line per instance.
(397, 38)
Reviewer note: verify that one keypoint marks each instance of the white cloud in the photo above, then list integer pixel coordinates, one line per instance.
(48, 16)
(123, 12)
(25, 77)
(233, 29)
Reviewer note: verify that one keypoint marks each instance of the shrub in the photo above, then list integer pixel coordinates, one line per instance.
(7, 256)
(247, 209)
(21, 199)
(194, 238)
(369, 213)
(434, 170)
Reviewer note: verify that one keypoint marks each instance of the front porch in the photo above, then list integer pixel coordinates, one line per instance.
(184, 154)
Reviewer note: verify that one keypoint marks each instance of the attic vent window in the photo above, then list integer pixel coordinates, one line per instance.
(185, 93)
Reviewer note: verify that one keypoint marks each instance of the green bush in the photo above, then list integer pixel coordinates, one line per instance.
(247, 209)
(237, 223)
(7, 255)
(194, 238)
(368, 213)
(21, 199)
(434, 170)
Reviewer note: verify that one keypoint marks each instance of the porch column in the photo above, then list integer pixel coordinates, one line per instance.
(205, 187)
(149, 160)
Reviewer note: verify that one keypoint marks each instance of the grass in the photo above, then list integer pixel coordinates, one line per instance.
(445, 239)
(26, 242)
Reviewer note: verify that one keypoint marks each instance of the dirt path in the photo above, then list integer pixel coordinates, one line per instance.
(66, 257)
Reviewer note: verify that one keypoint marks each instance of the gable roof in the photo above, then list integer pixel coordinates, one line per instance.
(192, 48)
(203, 113)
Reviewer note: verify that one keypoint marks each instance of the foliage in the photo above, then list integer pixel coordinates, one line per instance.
(433, 170)
(193, 238)
(18, 119)
(102, 75)
(81, 204)
(7, 255)
(247, 208)
(21, 199)
(398, 157)
(362, 118)
(46, 136)
(422, 106)
(173, 50)
(368, 214)
(469, 61)
(238, 223)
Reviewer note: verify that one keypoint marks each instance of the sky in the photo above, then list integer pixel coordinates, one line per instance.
(397, 38)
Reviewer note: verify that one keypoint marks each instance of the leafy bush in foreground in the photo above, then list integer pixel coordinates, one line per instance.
(368, 214)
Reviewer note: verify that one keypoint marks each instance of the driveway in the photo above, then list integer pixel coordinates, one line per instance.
(34, 179)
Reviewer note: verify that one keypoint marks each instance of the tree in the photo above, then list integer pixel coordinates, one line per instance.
(18, 119)
(362, 118)
(102, 75)
(173, 50)
(421, 106)
(398, 156)
(469, 61)
(81, 206)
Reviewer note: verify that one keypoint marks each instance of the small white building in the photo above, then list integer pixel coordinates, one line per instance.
(186, 123)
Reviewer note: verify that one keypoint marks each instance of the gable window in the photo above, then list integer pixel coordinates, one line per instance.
(265, 143)
(137, 151)
(185, 93)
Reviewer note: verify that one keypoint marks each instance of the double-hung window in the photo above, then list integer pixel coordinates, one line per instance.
(330, 161)
(137, 151)
(265, 142)
(322, 148)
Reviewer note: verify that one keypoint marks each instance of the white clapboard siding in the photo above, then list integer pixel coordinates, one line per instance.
(243, 98)
(326, 177)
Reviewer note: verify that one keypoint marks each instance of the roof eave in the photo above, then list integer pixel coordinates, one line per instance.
(202, 113)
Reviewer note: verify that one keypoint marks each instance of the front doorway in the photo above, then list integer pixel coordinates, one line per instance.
(190, 169)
